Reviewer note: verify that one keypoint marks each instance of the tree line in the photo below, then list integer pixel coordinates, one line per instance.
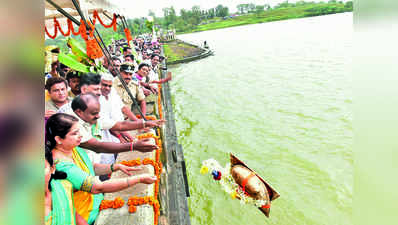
(189, 19)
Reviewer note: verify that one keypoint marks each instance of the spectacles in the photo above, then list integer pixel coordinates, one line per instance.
(105, 85)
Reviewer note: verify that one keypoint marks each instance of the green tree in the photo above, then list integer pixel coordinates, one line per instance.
(349, 5)
(259, 8)
(243, 8)
(251, 7)
(170, 16)
(284, 4)
(211, 13)
(222, 11)
(196, 14)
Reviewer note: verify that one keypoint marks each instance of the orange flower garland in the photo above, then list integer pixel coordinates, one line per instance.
(115, 204)
(160, 102)
(82, 28)
(147, 117)
(112, 24)
(93, 49)
(134, 162)
(158, 143)
(55, 30)
(135, 201)
(128, 35)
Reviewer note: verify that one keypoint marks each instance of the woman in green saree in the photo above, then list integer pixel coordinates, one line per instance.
(63, 137)
(58, 208)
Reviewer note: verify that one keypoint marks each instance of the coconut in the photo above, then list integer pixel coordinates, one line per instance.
(254, 186)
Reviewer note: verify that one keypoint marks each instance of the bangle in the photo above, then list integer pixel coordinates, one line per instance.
(112, 167)
(143, 123)
(131, 146)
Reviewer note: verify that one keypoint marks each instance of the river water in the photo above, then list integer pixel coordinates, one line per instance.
(279, 96)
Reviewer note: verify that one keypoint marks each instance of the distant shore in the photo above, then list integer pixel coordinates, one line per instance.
(301, 11)
(178, 50)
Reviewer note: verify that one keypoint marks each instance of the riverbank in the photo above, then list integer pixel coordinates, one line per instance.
(176, 51)
(298, 11)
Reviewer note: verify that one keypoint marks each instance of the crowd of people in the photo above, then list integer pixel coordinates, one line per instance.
(88, 119)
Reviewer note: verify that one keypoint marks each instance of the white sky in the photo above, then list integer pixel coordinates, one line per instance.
(140, 8)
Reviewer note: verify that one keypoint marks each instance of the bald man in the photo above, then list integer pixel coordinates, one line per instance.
(86, 108)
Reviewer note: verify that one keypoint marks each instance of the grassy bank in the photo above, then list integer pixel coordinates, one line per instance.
(302, 11)
(177, 50)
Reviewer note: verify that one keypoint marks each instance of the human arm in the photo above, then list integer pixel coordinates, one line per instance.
(102, 169)
(143, 107)
(135, 125)
(112, 147)
(84, 181)
(126, 111)
(146, 91)
(164, 80)
(114, 185)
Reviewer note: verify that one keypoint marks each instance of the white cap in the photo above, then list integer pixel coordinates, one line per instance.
(106, 76)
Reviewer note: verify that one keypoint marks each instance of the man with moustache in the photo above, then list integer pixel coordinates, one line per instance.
(86, 108)
(57, 88)
(126, 71)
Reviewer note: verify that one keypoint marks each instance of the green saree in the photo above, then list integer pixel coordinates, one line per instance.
(62, 206)
(81, 174)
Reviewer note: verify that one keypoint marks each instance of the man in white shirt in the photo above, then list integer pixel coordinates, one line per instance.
(90, 86)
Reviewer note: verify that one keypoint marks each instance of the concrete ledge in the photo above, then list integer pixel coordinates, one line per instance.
(144, 214)
(205, 53)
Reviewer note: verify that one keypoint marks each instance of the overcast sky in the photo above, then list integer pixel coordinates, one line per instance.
(140, 8)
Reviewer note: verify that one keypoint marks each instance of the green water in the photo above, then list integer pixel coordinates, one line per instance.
(278, 95)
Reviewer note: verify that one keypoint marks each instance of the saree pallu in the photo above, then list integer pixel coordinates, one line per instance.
(62, 205)
(81, 174)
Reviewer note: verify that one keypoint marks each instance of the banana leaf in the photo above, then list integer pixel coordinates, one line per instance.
(79, 51)
(71, 61)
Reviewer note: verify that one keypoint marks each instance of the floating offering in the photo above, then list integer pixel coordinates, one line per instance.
(242, 183)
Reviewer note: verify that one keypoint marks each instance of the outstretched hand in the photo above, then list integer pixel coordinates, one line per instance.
(154, 123)
(146, 91)
(144, 145)
(127, 169)
(148, 179)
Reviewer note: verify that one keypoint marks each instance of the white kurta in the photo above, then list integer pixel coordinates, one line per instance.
(111, 112)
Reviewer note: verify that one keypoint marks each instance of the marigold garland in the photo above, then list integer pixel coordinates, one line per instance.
(134, 162)
(93, 49)
(112, 24)
(55, 30)
(134, 201)
(128, 35)
(115, 204)
(82, 28)
(147, 117)
(160, 102)
(158, 143)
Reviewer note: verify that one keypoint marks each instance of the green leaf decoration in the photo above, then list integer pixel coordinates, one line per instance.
(71, 61)
(79, 51)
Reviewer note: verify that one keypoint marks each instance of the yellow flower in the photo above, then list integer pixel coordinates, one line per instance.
(233, 194)
(204, 169)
